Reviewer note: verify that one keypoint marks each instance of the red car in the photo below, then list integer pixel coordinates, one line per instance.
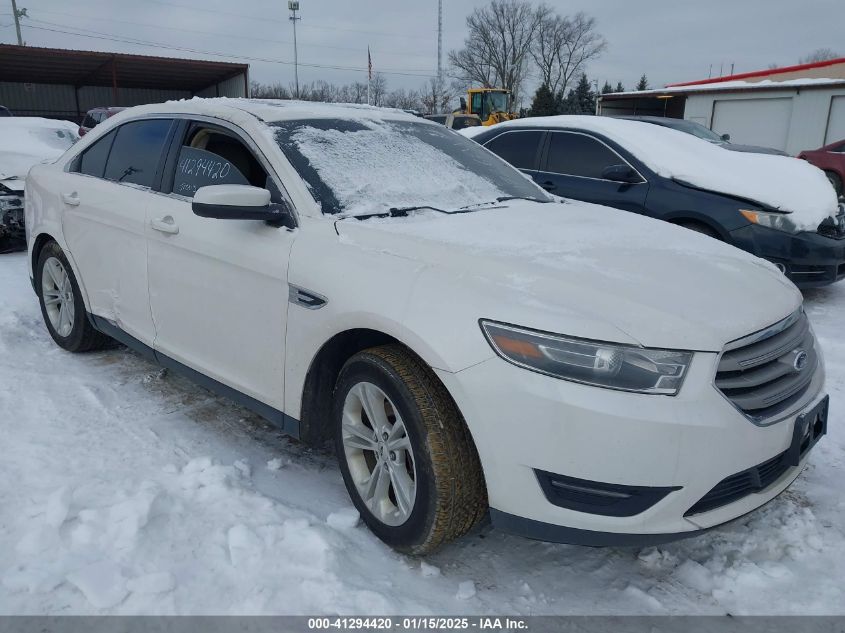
(95, 116)
(830, 159)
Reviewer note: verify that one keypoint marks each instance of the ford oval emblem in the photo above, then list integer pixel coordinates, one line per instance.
(799, 362)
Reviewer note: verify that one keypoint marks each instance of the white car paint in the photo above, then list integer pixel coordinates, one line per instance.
(216, 299)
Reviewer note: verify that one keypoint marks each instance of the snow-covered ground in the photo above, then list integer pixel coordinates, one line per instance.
(127, 490)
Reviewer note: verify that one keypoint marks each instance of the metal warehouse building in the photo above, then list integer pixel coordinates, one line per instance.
(794, 108)
(65, 84)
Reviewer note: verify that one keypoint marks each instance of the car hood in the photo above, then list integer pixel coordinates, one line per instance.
(28, 141)
(754, 149)
(15, 185)
(586, 270)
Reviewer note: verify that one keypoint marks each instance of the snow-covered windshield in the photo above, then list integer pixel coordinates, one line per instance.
(363, 167)
(696, 129)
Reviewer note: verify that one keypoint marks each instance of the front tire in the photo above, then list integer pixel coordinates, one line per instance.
(61, 303)
(406, 455)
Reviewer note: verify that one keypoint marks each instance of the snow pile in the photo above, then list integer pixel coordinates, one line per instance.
(26, 141)
(382, 166)
(119, 495)
(779, 182)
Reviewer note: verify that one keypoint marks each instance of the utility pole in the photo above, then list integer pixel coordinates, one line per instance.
(439, 47)
(18, 15)
(293, 5)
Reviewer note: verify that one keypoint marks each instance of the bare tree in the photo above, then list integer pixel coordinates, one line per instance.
(268, 91)
(819, 55)
(563, 46)
(498, 44)
(437, 96)
(402, 99)
(378, 89)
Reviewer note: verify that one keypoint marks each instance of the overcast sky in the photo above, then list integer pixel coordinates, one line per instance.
(670, 41)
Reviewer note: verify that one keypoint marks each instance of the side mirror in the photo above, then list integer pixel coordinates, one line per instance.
(726, 137)
(621, 173)
(240, 202)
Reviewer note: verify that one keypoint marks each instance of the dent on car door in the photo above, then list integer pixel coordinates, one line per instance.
(218, 288)
(574, 166)
(104, 197)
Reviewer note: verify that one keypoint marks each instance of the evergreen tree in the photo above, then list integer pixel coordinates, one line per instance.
(543, 103)
(643, 84)
(560, 103)
(585, 98)
(619, 87)
(607, 88)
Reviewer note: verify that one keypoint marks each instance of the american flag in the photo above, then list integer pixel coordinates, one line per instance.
(369, 65)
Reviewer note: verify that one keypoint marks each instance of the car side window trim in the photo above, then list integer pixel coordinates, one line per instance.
(622, 160)
(538, 153)
(176, 141)
(73, 160)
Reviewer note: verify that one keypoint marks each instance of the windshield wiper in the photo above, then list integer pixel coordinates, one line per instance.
(506, 198)
(502, 199)
(394, 212)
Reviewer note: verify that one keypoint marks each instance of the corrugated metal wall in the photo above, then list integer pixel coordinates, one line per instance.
(93, 96)
(232, 87)
(60, 101)
(38, 99)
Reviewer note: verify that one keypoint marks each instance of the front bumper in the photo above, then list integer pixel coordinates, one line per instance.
(809, 259)
(524, 423)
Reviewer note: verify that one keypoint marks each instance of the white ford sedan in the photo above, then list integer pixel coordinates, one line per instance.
(468, 343)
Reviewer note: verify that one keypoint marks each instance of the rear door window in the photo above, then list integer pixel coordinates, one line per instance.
(93, 161)
(520, 149)
(137, 152)
(579, 155)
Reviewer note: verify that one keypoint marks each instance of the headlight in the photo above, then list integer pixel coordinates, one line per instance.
(777, 221)
(609, 365)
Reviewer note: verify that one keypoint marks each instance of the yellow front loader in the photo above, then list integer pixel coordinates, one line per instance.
(490, 104)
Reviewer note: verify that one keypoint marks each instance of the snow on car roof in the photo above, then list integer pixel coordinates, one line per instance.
(26, 141)
(780, 182)
(274, 110)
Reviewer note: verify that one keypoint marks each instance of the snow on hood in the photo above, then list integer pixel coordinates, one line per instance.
(591, 271)
(780, 182)
(26, 141)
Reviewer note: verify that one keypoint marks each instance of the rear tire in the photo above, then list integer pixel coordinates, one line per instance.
(836, 181)
(412, 471)
(61, 303)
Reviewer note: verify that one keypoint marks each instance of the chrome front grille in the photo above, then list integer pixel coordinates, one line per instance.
(764, 374)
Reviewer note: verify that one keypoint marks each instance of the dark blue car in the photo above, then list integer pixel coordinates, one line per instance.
(586, 165)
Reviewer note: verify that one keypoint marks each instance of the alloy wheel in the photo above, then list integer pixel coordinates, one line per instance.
(379, 454)
(57, 294)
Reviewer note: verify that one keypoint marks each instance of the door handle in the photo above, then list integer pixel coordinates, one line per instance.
(166, 225)
(71, 199)
(548, 185)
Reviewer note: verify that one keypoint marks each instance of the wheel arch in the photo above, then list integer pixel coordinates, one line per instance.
(681, 218)
(317, 391)
(38, 244)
